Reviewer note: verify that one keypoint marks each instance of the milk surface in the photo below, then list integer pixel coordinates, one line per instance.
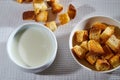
(35, 47)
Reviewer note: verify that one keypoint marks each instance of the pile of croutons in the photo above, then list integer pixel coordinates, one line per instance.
(41, 12)
(98, 45)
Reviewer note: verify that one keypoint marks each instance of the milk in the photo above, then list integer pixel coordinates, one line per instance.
(35, 47)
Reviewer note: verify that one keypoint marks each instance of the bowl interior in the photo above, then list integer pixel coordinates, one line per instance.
(86, 24)
(13, 41)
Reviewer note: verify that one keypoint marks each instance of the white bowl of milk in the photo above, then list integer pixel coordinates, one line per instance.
(32, 47)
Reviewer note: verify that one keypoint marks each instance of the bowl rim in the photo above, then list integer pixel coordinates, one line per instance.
(71, 36)
(44, 66)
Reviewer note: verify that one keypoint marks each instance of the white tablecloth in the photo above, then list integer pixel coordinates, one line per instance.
(64, 66)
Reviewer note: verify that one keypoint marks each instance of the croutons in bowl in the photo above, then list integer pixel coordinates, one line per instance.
(95, 44)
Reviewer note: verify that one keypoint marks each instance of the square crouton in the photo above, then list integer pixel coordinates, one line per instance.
(51, 25)
(102, 65)
(50, 2)
(114, 43)
(28, 15)
(108, 53)
(99, 25)
(80, 52)
(115, 61)
(42, 16)
(84, 45)
(64, 18)
(39, 6)
(107, 33)
(57, 7)
(95, 34)
(81, 35)
(91, 58)
(71, 11)
(95, 47)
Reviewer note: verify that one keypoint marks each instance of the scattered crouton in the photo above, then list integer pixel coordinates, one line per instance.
(50, 2)
(115, 61)
(91, 58)
(102, 65)
(95, 47)
(80, 52)
(99, 25)
(71, 11)
(42, 16)
(114, 43)
(28, 15)
(64, 18)
(81, 35)
(51, 25)
(107, 33)
(108, 53)
(95, 34)
(39, 6)
(57, 7)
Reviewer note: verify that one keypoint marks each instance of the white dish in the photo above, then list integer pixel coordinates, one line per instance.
(36, 42)
(83, 25)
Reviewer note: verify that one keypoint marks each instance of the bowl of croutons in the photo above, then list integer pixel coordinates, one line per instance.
(95, 44)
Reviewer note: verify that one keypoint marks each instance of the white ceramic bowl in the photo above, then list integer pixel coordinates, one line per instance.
(14, 55)
(83, 25)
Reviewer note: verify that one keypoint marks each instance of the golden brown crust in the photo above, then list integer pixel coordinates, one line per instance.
(81, 35)
(64, 18)
(20, 1)
(28, 15)
(91, 58)
(71, 11)
(102, 65)
(95, 47)
(107, 33)
(95, 34)
(39, 6)
(115, 60)
(99, 25)
(51, 25)
(80, 52)
(42, 16)
(84, 45)
(113, 43)
(57, 7)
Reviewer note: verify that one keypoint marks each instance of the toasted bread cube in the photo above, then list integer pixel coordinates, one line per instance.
(50, 2)
(99, 25)
(64, 18)
(107, 33)
(80, 52)
(51, 25)
(102, 65)
(113, 43)
(57, 7)
(71, 11)
(91, 58)
(115, 60)
(95, 47)
(108, 53)
(42, 16)
(20, 1)
(84, 45)
(28, 15)
(81, 35)
(95, 34)
(39, 6)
